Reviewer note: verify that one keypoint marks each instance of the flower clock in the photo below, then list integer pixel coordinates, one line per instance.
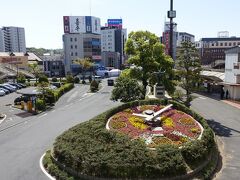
(156, 125)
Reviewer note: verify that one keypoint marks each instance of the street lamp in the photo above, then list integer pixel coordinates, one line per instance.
(171, 16)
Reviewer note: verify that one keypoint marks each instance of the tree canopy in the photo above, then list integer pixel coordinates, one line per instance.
(188, 68)
(147, 54)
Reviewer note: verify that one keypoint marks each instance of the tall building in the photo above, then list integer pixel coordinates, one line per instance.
(212, 50)
(14, 39)
(166, 39)
(113, 38)
(81, 39)
(2, 45)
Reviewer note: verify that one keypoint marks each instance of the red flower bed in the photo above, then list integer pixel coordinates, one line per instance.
(184, 126)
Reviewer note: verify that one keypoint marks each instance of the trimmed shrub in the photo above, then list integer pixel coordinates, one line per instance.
(40, 105)
(63, 89)
(94, 86)
(54, 79)
(76, 80)
(42, 78)
(69, 79)
(89, 149)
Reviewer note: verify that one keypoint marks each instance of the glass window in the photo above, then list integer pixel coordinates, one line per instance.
(71, 53)
(230, 44)
(71, 39)
(221, 44)
(75, 46)
(75, 39)
(71, 46)
(76, 53)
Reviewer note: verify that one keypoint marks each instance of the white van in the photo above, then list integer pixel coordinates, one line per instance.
(97, 78)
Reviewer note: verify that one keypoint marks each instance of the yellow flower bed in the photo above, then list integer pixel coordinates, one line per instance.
(117, 124)
(187, 121)
(138, 122)
(167, 121)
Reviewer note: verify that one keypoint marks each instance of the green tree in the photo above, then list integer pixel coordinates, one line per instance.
(42, 78)
(147, 54)
(85, 64)
(34, 69)
(21, 78)
(127, 89)
(188, 68)
(69, 79)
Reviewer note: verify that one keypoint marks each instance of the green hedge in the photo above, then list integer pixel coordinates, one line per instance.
(90, 149)
(63, 89)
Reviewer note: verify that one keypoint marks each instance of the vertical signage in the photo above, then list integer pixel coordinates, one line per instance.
(88, 24)
(66, 24)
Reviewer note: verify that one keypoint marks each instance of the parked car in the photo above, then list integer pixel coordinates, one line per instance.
(15, 85)
(5, 90)
(2, 93)
(110, 82)
(22, 85)
(10, 86)
(18, 100)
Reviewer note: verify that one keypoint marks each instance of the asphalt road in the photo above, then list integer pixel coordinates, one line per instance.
(22, 145)
(225, 121)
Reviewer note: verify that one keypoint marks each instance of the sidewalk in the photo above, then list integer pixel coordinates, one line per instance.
(233, 103)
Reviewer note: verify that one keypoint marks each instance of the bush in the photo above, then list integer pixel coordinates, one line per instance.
(63, 89)
(40, 105)
(76, 80)
(21, 78)
(54, 79)
(42, 78)
(89, 149)
(69, 79)
(94, 86)
(127, 89)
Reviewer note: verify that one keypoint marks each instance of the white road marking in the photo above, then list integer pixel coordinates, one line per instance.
(43, 169)
(202, 97)
(5, 116)
(43, 115)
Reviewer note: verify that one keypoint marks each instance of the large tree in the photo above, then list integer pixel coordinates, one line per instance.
(188, 68)
(147, 54)
(85, 64)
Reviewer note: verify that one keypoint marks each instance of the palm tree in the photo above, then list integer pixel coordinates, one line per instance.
(85, 64)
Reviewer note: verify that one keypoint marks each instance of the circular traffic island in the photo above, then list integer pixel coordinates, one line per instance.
(139, 140)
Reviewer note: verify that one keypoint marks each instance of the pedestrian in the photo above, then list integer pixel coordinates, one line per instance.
(227, 93)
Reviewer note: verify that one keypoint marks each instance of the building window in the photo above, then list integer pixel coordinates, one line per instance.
(71, 39)
(75, 39)
(225, 44)
(76, 53)
(71, 53)
(71, 46)
(230, 44)
(221, 44)
(234, 44)
(212, 44)
(238, 43)
(75, 46)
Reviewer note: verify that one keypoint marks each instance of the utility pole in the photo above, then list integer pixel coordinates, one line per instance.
(171, 16)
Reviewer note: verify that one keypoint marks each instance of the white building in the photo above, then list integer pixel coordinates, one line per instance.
(232, 73)
(184, 37)
(14, 39)
(113, 39)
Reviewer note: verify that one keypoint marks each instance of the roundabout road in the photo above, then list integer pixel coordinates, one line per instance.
(22, 145)
(225, 121)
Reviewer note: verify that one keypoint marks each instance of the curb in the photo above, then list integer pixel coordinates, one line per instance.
(43, 169)
(5, 116)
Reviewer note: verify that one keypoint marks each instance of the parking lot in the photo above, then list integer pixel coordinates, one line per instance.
(6, 107)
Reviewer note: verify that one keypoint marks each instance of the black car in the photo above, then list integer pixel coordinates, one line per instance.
(18, 100)
(110, 82)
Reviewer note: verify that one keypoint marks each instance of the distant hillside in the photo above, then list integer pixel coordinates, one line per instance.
(41, 51)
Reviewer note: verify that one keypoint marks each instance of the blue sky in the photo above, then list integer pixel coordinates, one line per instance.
(42, 19)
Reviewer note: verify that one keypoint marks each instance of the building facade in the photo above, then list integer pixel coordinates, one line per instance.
(184, 37)
(113, 38)
(81, 39)
(2, 44)
(14, 39)
(232, 73)
(165, 39)
(111, 59)
(212, 50)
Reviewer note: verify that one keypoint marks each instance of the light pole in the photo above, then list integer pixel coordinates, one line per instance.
(171, 16)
